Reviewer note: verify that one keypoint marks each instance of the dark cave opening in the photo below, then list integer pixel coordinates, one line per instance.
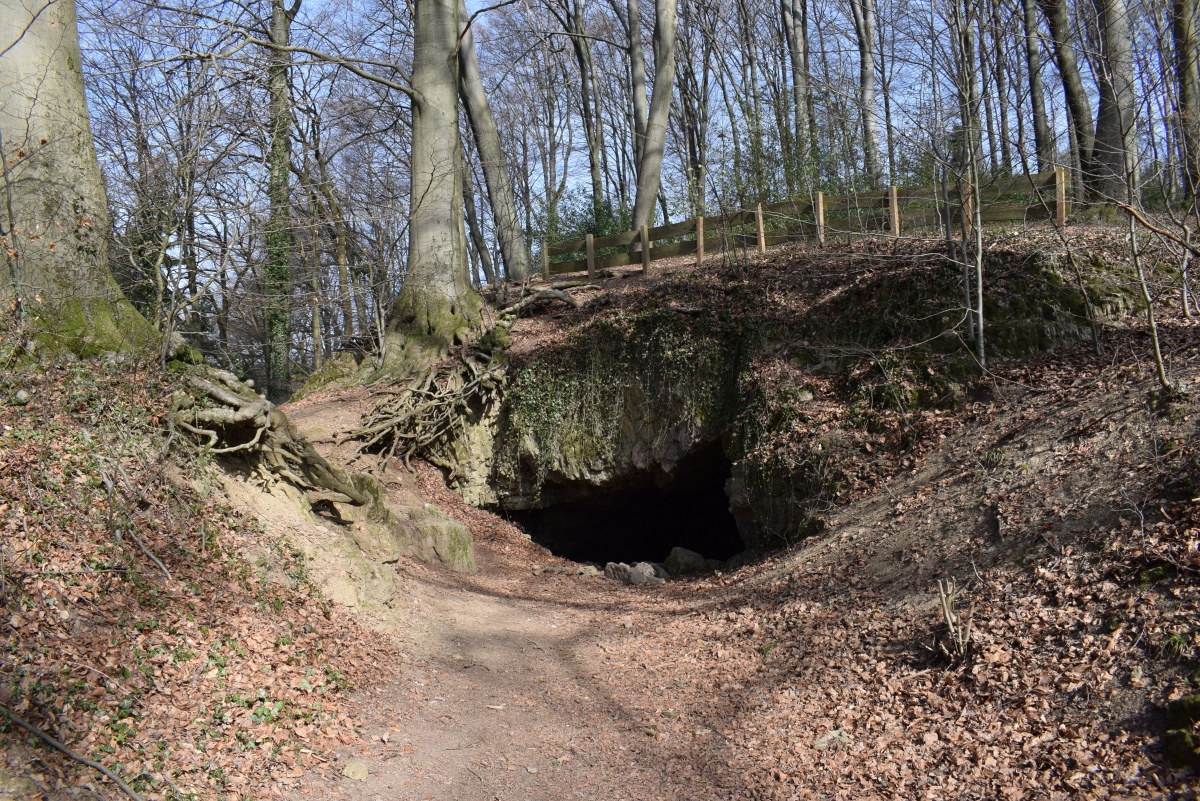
(644, 518)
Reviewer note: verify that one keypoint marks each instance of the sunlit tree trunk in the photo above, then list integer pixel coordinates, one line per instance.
(1115, 151)
(650, 169)
(631, 18)
(513, 246)
(795, 28)
(436, 304)
(864, 29)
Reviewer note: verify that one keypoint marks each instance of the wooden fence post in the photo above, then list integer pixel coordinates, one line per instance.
(645, 234)
(819, 214)
(545, 260)
(699, 241)
(591, 257)
(758, 224)
(894, 210)
(1060, 197)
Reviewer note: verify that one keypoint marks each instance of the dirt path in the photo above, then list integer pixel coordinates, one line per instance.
(508, 691)
(506, 698)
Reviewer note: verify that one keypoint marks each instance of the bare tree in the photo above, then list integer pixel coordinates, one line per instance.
(864, 29)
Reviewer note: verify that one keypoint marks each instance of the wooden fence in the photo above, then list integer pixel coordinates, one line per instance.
(1043, 196)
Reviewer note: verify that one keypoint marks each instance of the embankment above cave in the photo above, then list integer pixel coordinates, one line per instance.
(800, 372)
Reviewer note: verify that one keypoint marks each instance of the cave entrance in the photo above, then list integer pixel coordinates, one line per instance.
(643, 518)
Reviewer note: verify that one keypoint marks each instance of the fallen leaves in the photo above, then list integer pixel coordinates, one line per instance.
(224, 680)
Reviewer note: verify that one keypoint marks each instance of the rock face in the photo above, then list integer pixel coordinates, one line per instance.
(385, 534)
(629, 401)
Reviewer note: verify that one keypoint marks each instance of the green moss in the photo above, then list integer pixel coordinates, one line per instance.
(340, 369)
(1179, 747)
(1179, 742)
(92, 327)
(580, 404)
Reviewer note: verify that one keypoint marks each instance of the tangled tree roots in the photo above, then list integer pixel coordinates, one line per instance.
(423, 418)
(228, 416)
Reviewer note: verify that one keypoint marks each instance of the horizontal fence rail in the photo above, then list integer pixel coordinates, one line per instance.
(886, 212)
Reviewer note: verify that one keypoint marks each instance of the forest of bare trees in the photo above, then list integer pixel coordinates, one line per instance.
(282, 179)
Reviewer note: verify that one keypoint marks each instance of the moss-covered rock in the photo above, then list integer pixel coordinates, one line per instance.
(621, 397)
(340, 369)
(1180, 743)
(449, 539)
(384, 534)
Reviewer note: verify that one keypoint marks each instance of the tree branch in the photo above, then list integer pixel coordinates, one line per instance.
(57, 746)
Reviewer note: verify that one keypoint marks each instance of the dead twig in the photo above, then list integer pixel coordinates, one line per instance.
(57, 746)
(958, 624)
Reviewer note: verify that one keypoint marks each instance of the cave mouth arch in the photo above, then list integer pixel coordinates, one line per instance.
(643, 517)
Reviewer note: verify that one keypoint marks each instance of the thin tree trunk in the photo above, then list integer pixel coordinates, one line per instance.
(587, 93)
(473, 226)
(864, 29)
(1043, 139)
(650, 170)
(314, 268)
(987, 96)
(888, 129)
(998, 35)
(513, 247)
(693, 109)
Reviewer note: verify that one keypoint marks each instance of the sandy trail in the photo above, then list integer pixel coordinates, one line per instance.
(506, 698)
(506, 691)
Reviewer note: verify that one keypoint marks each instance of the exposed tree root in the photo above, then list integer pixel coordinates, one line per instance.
(228, 416)
(423, 417)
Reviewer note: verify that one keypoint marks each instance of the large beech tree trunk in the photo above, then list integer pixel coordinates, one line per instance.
(53, 211)
(1184, 29)
(495, 167)
(650, 169)
(436, 305)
